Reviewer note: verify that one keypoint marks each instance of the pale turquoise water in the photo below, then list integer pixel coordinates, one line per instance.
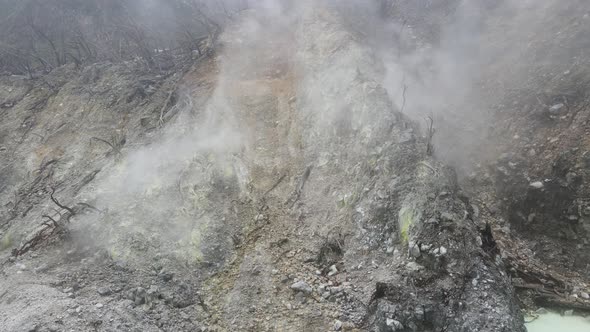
(553, 322)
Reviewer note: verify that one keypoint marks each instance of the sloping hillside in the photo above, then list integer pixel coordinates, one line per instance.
(279, 183)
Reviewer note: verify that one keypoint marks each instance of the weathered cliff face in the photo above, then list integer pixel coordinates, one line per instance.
(292, 196)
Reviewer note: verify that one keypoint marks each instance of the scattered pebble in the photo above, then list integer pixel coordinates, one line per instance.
(302, 286)
(557, 109)
(446, 216)
(425, 247)
(333, 271)
(104, 291)
(414, 250)
(393, 324)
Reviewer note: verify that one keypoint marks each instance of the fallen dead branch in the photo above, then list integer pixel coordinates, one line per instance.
(546, 288)
(554, 301)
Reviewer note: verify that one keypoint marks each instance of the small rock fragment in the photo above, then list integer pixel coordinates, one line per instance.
(335, 290)
(446, 216)
(53, 328)
(432, 221)
(393, 324)
(104, 291)
(541, 311)
(414, 250)
(337, 325)
(419, 313)
(414, 267)
(139, 296)
(479, 241)
(425, 247)
(300, 298)
(557, 109)
(333, 271)
(165, 275)
(302, 286)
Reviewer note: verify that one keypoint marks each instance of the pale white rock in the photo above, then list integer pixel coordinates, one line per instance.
(337, 325)
(333, 271)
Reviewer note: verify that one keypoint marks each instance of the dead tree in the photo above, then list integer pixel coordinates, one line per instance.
(131, 31)
(59, 57)
(430, 131)
(404, 97)
(48, 228)
(39, 35)
(69, 209)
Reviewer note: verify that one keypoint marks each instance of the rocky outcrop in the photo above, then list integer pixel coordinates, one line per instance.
(397, 204)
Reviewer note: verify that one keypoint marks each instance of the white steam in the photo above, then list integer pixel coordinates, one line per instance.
(178, 189)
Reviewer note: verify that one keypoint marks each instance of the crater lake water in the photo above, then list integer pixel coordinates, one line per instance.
(554, 322)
